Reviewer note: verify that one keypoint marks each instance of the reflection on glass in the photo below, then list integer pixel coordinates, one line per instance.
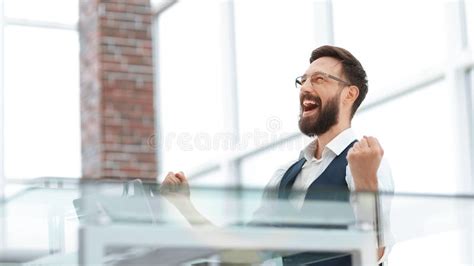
(42, 130)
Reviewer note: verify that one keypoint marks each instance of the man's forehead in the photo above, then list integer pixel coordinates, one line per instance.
(325, 64)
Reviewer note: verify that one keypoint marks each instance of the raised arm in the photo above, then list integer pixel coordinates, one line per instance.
(364, 160)
(175, 189)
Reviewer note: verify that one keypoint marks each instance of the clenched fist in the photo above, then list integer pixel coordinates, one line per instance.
(175, 185)
(364, 160)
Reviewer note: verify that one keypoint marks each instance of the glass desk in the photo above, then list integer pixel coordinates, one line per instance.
(54, 221)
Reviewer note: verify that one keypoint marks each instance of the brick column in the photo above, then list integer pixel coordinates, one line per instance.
(117, 109)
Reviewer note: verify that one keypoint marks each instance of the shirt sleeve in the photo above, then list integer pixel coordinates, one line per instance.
(385, 187)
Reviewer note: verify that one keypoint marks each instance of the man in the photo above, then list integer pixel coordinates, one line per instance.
(331, 90)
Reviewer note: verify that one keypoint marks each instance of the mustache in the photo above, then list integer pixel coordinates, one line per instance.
(307, 96)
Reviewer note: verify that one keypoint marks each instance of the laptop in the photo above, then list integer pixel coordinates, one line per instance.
(109, 205)
(132, 205)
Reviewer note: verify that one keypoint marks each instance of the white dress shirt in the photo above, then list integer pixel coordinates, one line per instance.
(313, 168)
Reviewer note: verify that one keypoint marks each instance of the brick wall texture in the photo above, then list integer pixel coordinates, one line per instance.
(117, 108)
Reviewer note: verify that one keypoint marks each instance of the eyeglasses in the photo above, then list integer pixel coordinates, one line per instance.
(318, 78)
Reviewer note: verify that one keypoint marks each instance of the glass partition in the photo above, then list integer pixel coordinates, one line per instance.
(136, 221)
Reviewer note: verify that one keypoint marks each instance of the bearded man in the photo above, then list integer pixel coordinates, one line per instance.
(331, 90)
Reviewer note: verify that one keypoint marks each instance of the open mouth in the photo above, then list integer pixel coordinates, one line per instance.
(309, 106)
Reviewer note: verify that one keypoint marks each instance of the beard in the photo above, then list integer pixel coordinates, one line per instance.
(320, 122)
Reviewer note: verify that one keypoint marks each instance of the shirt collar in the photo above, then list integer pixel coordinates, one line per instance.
(336, 145)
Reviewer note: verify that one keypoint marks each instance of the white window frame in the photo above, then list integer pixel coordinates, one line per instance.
(456, 75)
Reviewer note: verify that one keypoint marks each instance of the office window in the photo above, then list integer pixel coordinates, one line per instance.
(274, 40)
(213, 178)
(257, 170)
(396, 41)
(271, 52)
(60, 11)
(41, 101)
(418, 135)
(471, 110)
(190, 86)
(471, 88)
(469, 8)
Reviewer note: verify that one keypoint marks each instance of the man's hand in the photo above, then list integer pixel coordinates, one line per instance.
(175, 189)
(175, 186)
(364, 160)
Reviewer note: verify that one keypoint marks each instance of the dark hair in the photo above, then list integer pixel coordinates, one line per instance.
(352, 69)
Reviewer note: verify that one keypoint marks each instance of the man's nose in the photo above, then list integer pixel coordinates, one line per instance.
(306, 87)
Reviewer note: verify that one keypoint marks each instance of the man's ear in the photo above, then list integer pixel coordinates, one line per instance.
(352, 92)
